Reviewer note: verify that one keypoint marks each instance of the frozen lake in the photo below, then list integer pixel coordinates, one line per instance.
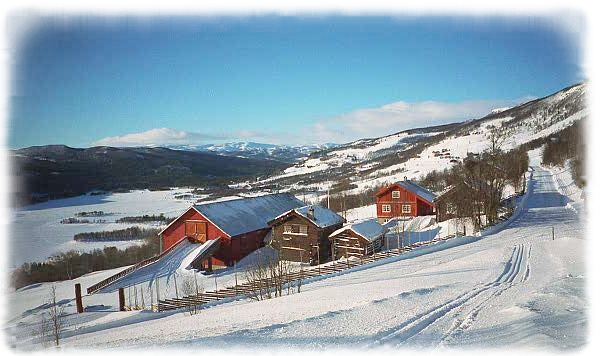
(36, 233)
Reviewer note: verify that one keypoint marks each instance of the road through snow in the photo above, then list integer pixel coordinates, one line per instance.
(517, 287)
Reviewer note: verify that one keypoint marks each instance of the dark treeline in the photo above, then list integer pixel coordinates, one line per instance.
(143, 219)
(473, 188)
(568, 144)
(85, 214)
(73, 264)
(130, 233)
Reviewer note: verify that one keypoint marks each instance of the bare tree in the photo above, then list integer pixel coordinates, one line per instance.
(53, 321)
(191, 287)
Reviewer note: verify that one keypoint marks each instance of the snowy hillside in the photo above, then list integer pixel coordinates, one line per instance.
(414, 153)
(515, 287)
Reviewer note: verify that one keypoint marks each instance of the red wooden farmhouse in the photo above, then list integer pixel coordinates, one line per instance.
(404, 199)
(241, 225)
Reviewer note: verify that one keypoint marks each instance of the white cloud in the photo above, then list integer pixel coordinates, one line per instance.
(399, 116)
(361, 123)
(159, 136)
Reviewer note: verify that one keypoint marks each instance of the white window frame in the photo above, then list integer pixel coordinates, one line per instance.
(288, 229)
(395, 194)
(406, 209)
(386, 208)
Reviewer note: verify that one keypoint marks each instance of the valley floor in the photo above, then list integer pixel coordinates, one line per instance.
(517, 288)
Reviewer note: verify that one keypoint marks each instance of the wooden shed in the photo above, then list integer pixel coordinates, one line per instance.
(301, 234)
(358, 239)
(404, 199)
(242, 225)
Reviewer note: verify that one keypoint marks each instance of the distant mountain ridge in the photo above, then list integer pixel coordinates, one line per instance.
(283, 153)
(57, 171)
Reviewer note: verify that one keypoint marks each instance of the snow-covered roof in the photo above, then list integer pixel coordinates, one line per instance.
(240, 216)
(370, 229)
(422, 192)
(589, 192)
(323, 217)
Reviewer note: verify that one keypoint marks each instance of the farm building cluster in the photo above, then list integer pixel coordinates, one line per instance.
(302, 233)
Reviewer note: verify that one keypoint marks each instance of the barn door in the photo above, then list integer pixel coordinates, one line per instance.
(201, 231)
(196, 229)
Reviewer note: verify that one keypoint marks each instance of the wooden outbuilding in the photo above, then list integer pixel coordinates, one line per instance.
(358, 239)
(301, 234)
(404, 199)
(242, 225)
(588, 195)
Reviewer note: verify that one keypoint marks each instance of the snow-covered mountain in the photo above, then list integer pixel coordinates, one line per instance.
(416, 152)
(284, 153)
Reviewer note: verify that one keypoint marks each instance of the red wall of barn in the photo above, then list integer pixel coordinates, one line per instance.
(231, 249)
(417, 206)
(177, 231)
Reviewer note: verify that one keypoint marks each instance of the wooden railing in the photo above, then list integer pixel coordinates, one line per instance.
(249, 288)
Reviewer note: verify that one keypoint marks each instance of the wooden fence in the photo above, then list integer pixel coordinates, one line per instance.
(249, 288)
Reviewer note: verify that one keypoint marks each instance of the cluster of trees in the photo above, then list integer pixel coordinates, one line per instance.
(271, 277)
(143, 219)
(567, 145)
(341, 201)
(477, 183)
(73, 264)
(82, 221)
(130, 233)
(95, 213)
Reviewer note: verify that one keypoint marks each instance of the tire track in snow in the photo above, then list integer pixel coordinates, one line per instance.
(462, 324)
(414, 326)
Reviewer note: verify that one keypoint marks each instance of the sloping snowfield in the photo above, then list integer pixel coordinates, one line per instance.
(516, 289)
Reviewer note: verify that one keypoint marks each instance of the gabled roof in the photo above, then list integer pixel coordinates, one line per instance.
(370, 229)
(239, 216)
(323, 217)
(420, 191)
(244, 215)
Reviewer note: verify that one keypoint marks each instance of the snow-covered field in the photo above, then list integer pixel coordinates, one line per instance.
(514, 288)
(36, 232)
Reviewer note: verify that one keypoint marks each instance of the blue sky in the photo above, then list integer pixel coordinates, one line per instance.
(85, 81)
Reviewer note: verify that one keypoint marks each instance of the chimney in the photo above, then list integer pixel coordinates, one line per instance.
(311, 213)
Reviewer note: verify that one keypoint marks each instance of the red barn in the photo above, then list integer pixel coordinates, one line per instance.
(242, 225)
(404, 198)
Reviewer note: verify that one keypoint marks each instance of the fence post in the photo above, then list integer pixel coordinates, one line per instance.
(552, 233)
(78, 298)
(121, 299)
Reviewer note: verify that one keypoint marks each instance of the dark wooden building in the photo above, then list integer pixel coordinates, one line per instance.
(588, 195)
(301, 234)
(404, 199)
(358, 239)
(242, 225)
